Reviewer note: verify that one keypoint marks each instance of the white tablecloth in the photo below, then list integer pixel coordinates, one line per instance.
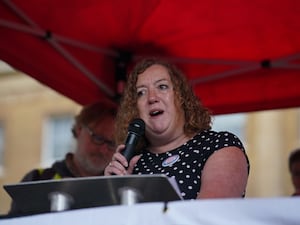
(260, 211)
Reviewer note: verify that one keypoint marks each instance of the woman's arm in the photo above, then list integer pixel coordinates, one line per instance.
(225, 174)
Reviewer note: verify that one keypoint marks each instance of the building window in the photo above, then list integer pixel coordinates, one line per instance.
(234, 123)
(57, 140)
(1, 149)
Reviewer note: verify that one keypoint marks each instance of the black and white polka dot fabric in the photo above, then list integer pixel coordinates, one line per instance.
(186, 162)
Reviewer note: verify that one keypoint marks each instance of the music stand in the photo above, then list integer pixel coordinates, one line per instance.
(75, 193)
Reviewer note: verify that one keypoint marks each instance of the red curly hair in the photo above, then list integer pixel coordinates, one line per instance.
(197, 117)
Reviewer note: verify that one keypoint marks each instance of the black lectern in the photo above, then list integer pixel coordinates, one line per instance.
(75, 193)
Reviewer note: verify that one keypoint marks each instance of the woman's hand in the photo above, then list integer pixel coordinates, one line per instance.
(119, 164)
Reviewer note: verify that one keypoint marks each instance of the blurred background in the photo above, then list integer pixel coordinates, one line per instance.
(35, 124)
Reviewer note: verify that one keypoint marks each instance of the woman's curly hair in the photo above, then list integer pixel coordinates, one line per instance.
(197, 117)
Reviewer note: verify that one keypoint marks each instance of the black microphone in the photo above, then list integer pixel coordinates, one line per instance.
(136, 129)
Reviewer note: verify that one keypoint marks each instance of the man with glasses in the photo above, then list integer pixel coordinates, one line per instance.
(93, 130)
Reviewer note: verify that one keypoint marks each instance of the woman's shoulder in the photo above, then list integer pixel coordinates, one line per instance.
(215, 134)
(218, 138)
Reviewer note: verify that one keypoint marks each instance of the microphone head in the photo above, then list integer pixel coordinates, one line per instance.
(137, 126)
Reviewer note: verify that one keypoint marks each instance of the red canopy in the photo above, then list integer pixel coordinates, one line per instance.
(239, 55)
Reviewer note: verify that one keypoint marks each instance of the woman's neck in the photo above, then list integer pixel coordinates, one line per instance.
(162, 145)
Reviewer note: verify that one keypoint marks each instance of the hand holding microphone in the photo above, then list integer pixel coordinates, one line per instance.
(136, 130)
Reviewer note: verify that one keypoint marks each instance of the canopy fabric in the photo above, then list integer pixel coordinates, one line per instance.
(238, 55)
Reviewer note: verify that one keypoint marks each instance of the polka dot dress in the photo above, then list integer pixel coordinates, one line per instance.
(186, 162)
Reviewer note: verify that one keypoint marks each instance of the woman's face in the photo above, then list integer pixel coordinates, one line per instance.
(156, 104)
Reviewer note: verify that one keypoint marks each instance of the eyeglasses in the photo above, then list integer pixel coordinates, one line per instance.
(100, 140)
